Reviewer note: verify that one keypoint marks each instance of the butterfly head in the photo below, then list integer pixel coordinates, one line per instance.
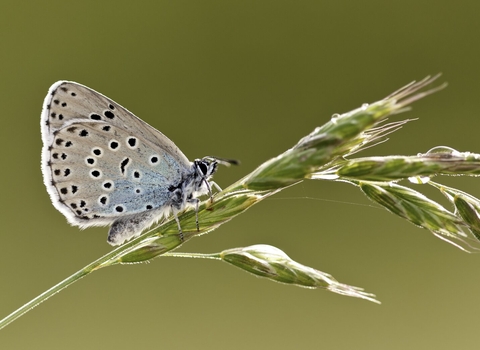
(205, 167)
(203, 171)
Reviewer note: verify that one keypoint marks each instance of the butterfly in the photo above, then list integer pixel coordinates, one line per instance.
(104, 166)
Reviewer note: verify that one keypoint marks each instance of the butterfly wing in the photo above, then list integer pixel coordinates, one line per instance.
(100, 162)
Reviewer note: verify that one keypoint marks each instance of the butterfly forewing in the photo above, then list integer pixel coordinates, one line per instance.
(68, 102)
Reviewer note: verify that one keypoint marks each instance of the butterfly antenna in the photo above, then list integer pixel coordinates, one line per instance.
(223, 161)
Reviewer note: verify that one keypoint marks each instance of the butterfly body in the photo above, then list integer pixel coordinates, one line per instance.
(104, 166)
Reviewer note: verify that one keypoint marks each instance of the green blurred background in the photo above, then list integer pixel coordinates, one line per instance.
(245, 80)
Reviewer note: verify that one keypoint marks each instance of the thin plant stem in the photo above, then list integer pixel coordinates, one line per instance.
(214, 256)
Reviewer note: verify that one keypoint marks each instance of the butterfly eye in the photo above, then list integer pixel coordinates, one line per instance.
(203, 168)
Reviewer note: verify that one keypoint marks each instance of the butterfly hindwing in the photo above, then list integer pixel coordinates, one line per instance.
(100, 162)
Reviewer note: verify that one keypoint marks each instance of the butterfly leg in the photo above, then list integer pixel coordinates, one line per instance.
(219, 189)
(196, 203)
(209, 188)
(196, 214)
(180, 232)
